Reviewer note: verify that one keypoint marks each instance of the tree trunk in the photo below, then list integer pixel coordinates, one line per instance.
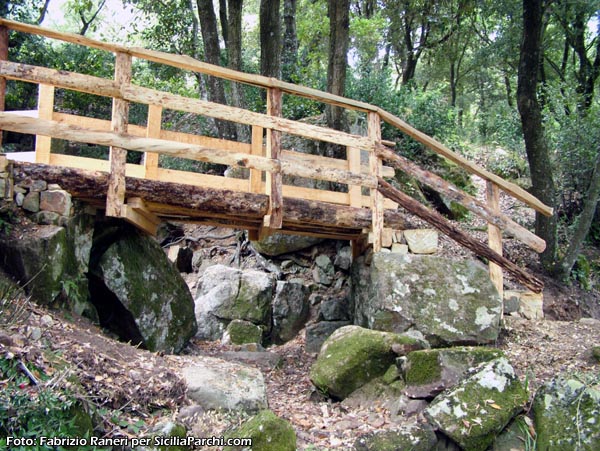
(234, 57)
(212, 55)
(339, 24)
(540, 164)
(290, 42)
(270, 38)
(584, 222)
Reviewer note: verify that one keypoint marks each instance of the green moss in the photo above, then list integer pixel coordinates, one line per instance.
(268, 433)
(422, 367)
(476, 410)
(353, 356)
(391, 375)
(566, 412)
(242, 332)
(596, 353)
(173, 430)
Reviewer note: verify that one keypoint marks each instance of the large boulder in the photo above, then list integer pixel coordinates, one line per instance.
(290, 310)
(280, 243)
(430, 371)
(352, 356)
(268, 433)
(138, 293)
(450, 302)
(566, 412)
(219, 385)
(52, 263)
(226, 293)
(475, 411)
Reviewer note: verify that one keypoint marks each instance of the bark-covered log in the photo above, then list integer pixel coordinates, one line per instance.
(193, 201)
(445, 226)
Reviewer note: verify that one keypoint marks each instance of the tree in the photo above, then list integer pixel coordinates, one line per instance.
(339, 25)
(270, 38)
(289, 57)
(540, 164)
(212, 55)
(233, 44)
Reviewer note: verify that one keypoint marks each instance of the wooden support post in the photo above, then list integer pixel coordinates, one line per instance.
(3, 57)
(43, 144)
(152, 131)
(354, 191)
(495, 237)
(115, 197)
(274, 183)
(375, 165)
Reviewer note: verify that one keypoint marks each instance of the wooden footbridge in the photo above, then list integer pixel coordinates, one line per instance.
(146, 192)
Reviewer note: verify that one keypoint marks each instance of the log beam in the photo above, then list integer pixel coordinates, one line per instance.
(188, 201)
(449, 229)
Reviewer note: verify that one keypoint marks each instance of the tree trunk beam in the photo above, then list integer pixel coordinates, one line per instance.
(446, 227)
(453, 193)
(188, 202)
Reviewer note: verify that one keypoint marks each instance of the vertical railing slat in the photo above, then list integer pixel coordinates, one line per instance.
(43, 144)
(153, 129)
(354, 191)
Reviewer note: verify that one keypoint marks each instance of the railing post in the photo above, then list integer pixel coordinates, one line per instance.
(274, 184)
(3, 57)
(153, 128)
(495, 237)
(375, 164)
(115, 196)
(43, 144)
(354, 166)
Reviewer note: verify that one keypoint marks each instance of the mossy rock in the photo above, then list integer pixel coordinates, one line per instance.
(413, 437)
(450, 302)
(429, 372)
(241, 332)
(566, 413)
(154, 303)
(268, 433)
(391, 375)
(596, 353)
(53, 262)
(476, 410)
(352, 356)
(168, 430)
(515, 437)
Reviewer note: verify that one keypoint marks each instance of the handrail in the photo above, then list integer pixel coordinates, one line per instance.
(189, 63)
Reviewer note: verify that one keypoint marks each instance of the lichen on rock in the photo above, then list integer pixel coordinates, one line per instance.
(478, 408)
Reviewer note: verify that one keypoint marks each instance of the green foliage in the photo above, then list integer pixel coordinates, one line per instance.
(33, 411)
(582, 272)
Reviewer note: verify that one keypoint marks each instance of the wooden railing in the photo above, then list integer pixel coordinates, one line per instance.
(263, 156)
